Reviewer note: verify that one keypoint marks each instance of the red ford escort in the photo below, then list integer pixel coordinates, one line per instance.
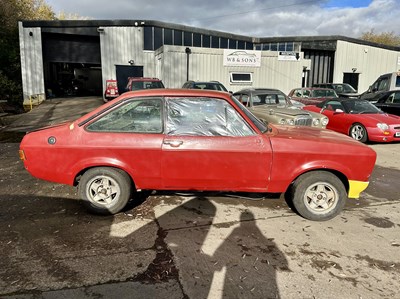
(181, 139)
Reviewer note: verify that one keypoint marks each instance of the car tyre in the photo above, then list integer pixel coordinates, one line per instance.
(105, 190)
(318, 195)
(358, 132)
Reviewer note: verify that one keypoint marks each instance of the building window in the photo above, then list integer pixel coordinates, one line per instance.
(249, 46)
(177, 37)
(168, 37)
(187, 39)
(289, 47)
(215, 42)
(274, 47)
(241, 77)
(196, 40)
(148, 38)
(282, 46)
(266, 47)
(241, 44)
(232, 44)
(223, 43)
(206, 41)
(158, 38)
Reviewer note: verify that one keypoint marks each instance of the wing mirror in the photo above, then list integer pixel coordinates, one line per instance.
(338, 111)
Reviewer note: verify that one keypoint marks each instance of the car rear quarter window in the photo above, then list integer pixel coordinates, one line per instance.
(135, 116)
(204, 117)
(397, 81)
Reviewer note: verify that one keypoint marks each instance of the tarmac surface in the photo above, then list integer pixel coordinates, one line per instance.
(200, 245)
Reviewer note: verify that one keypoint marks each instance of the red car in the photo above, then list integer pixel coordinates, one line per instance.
(359, 119)
(137, 83)
(312, 95)
(188, 139)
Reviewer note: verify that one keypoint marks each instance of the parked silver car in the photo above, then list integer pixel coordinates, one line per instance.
(272, 105)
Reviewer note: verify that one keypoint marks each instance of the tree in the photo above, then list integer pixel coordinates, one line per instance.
(385, 38)
(12, 11)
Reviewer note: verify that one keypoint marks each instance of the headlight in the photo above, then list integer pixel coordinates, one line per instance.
(290, 122)
(325, 121)
(315, 122)
(383, 126)
(282, 121)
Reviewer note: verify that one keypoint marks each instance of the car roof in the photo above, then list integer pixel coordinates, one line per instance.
(259, 90)
(142, 79)
(315, 88)
(201, 82)
(341, 99)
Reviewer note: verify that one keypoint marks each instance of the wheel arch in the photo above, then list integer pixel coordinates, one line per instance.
(342, 177)
(357, 122)
(79, 173)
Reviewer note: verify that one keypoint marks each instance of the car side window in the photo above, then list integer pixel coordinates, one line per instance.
(383, 84)
(204, 117)
(396, 98)
(244, 99)
(333, 105)
(136, 116)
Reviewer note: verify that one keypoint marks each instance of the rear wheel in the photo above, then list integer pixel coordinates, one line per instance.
(318, 195)
(358, 132)
(105, 190)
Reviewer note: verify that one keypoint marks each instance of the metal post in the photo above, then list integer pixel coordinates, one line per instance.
(188, 52)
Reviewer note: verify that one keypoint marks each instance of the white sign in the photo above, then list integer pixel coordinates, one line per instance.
(398, 60)
(242, 58)
(289, 56)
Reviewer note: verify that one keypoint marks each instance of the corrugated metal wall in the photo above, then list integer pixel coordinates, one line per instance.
(30, 40)
(322, 63)
(207, 64)
(119, 45)
(370, 62)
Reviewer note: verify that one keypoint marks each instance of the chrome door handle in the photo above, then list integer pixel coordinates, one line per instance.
(173, 143)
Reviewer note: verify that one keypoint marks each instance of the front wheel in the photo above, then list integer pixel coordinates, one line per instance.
(358, 132)
(105, 190)
(318, 195)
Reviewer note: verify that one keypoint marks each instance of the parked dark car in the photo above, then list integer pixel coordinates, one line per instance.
(211, 85)
(343, 90)
(384, 83)
(388, 102)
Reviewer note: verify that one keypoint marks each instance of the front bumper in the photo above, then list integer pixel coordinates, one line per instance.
(356, 187)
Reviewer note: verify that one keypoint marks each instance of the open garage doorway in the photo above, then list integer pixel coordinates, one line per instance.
(72, 64)
(72, 79)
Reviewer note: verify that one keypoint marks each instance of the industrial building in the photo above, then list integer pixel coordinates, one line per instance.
(59, 55)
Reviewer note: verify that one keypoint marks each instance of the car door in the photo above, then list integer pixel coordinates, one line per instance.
(338, 118)
(390, 103)
(209, 146)
(129, 135)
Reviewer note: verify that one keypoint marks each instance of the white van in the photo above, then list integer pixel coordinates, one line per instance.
(384, 83)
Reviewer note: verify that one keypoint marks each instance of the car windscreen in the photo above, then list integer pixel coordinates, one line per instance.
(146, 85)
(269, 99)
(360, 107)
(322, 93)
(346, 88)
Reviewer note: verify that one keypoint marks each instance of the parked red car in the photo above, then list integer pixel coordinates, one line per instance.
(137, 83)
(188, 139)
(359, 119)
(312, 95)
